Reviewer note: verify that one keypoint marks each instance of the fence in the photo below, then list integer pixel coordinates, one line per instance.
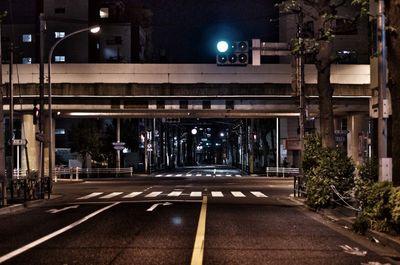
(77, 173)
(282, 171)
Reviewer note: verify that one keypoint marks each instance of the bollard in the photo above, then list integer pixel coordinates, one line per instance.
(77, 173)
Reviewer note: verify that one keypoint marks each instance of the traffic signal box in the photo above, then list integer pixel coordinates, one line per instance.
(237, 54)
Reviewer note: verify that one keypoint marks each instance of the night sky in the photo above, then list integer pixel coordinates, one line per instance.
(189, 29)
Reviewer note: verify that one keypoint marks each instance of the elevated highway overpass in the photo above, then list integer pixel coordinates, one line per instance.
(192, 91)
(182, 90)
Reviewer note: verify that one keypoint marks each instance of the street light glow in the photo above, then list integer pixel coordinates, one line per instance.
(95, 29)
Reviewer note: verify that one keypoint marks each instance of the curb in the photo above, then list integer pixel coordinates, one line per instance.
(345, 221)
(14, 208)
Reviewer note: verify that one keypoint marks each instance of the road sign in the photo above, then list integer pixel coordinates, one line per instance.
(119, 145)
(19, 142)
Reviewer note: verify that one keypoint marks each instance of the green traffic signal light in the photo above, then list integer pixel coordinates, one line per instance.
(233, 53)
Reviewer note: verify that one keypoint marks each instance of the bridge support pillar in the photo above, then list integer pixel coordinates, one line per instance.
(357, 126)
(30, 155)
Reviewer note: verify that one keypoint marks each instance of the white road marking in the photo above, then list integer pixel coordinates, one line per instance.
(229, 175)
(195, 194)
(237, 175)
(353, 251)
(62, 209)
(217, 194)
(159, 175)
(169, 175)
(179, 175)
(132, 194)
(174, 193)
(188, 175)
(156, 204)
(54, 234)
(198, 175)
(237, 194)
(91, 195)
(153, 194)
(111, 195)
(208, 175)
(258, 194)
(219, 175)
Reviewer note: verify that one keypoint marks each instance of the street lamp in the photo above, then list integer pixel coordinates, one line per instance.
(92, 29)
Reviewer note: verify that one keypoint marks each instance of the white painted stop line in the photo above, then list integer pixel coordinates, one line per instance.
(91, 195)
(132, 194)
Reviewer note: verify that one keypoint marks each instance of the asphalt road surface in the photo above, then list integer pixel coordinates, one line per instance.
(180, 220)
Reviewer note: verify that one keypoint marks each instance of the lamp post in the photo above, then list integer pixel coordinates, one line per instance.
(93, 29)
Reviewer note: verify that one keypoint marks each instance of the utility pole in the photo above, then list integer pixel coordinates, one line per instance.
(385, 163)
(11, 127)
(300, 85)
(3, 177)
(40, 138)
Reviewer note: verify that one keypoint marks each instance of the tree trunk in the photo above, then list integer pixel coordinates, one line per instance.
(325, 93)
(393, 11)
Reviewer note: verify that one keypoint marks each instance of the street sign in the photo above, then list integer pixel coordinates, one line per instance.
(19, 142)
(119, 145)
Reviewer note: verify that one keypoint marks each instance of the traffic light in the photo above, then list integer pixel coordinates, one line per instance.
(234, 53)
(36, 114)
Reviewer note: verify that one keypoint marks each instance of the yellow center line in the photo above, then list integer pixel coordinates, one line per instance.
(198, 249)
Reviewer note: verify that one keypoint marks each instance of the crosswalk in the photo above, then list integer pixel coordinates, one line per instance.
(173, 194)
(197, 175)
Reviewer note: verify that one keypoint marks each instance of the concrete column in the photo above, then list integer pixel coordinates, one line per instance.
(28, 133)
(355, 139)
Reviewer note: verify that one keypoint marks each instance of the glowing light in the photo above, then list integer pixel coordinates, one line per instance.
(222, 46)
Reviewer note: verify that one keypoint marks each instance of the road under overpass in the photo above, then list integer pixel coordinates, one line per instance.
(161, 91)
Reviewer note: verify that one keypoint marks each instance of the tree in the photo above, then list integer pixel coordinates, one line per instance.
(85, 139)
(320, 47)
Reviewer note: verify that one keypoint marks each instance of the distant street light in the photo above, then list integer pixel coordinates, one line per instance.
(93, 29)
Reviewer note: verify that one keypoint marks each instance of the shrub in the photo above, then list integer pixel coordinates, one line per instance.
(394, 202)
(367, 176)
(324, 167)
(376, 207)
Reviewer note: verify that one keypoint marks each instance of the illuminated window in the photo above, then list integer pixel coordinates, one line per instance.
(27, 60)
(59, 34)
(59, 58)
(27, 37)
(104, 12)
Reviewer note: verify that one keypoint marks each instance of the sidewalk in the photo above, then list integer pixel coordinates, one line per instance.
(345, 217)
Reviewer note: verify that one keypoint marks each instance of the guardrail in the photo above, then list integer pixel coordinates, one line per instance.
(76, 173)
(282, 171)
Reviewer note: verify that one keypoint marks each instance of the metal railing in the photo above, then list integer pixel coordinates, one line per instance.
(77, 173)
(282, 171)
